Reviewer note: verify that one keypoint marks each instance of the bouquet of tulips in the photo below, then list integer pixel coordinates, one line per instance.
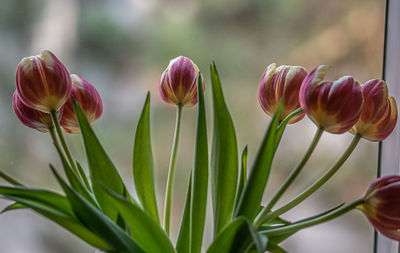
(97, 207)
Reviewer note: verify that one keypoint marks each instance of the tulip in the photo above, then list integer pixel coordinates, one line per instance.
(88, 98)
(43, 83)
(32, 118)
(177, 86)
(378, 113)
(333, 106)
(178, 83)
(281, 82)
(382, 206)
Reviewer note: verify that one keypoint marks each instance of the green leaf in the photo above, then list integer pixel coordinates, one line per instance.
(200, 176)
(276, 221)
(283, 124)
(243, 175)
(13, 206)
(183, 241)
(224, 240)
(101, 168)
(73, 179)
(224, 158)
(258, 239)
(144, 230)
(9, 179)
(83, 176)
(97, 222)
(274, 248)
(237, 237)
(48, 198)
(142, 164)
(69, 223)
(251, 196)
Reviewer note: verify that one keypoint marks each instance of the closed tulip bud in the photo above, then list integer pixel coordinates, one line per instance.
(333, 106)
(89, 100)
(279, 83)
(30, 117)
(378, 113)
(43, 83)
(178, 83)
(382, 206)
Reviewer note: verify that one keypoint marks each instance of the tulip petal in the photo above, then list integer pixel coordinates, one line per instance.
(334, 106)
(178, 83)
(43, 82)
(279, 83)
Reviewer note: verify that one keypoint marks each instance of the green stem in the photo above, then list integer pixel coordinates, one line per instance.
(53, 114)
(295, 172)
(171, 170)
(310, 190)
(54, 138)
(311, 222)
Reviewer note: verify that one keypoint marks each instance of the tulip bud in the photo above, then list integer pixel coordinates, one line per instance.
(382, 206)
(281, 82)
(378, 113)
(334, 106)
(43, 83)
(178, 83)
(32, 118)
(89, 100)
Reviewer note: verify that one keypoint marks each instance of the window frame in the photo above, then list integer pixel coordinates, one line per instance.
(389, 149)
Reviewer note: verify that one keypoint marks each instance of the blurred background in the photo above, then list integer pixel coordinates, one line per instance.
(122, 47)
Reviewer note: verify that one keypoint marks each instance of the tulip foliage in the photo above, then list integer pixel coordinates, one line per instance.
(97, 207)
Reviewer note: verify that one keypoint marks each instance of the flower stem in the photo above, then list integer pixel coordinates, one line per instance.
(295, 172)
(311, 222)
(310, 190)
(53, 114)
(54, 139)
(171, 170)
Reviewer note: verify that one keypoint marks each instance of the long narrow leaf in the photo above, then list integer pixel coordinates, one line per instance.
(13, 206)
(250, 200)
(83, 176)
(224, 158)
(9, 179)
(142, 164)
(238, 237)
(102, 170)
(183, 241)
(243, 175)
(144, 230)
(70, 224)
(73, 179)
(283, 124)
(224, 239)
(258, 239)
(200, 176)
(274, 248)
(48, 198)
(99, 223)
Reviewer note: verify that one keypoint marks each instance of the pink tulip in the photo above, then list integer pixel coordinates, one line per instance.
(32, 118)
(279, 83)
(378, 114)
(333, 106)
(178, 83)
(382, 206)
(89, 100)
(43, 83)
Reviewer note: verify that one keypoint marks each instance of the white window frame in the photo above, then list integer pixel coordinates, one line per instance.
(389, 149)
